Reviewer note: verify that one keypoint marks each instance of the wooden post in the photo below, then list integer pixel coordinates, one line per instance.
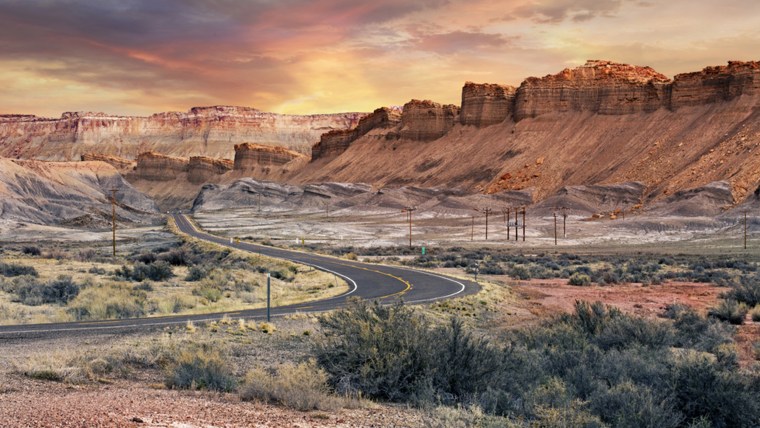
(472, 229)
(113, 219)
(523, 224)
(555, 228)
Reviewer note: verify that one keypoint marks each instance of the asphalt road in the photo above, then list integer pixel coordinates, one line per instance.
(367, 281)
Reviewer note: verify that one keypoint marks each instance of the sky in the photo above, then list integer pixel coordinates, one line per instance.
(138, 57)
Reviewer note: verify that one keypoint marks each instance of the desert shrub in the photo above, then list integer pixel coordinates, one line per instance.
(393, 353)
(31, 250)
(209, 292)
(58, 291)
(302, 387)
(96, 270)
(146, 258)
(630, 405)
(730, 310)
(200, 368)
(157, 271)
(579, 279)
(755, 313)
(176, 257)
(747, 290)
(519, 272)
(196, 273)
(108, 302)
(11, 269)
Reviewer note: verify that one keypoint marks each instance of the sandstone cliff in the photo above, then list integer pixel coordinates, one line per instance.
(336, 142)
(427, 120)
(598, 124)
(121, 164)
(201, 169)
(486, 104)
(152, 166)
(252, 158)
(202, 131)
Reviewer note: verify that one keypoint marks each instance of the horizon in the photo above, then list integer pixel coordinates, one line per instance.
(336, 56)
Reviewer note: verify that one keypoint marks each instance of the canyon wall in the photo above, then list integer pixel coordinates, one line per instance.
(152, 166)
(427, 120)
(202, 131)
(336, 142)
(486, 104)
(121, 164)
(201, 169)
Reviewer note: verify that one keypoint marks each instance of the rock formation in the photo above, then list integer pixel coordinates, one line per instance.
(152, 166)
(336, 142)
(121, 164)
(714, 84)
(486, 104)
(427, 120)
(202, 131)
(201, 169)
(598, 86)
(250, 158)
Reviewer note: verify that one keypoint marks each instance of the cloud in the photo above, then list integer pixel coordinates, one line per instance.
(555, 11)
(456, 41)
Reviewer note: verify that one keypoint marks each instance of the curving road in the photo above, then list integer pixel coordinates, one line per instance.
(367, 281)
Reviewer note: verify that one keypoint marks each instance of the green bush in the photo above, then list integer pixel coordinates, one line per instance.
(579, 279)
(200, 368)
(196, 273)
(731, 311)
(31, 250)
(747, 290)
(10, 269)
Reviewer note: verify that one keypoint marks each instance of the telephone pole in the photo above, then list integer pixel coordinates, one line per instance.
(505, 212)
(564, 223)
(486, 211)
(326, 205)
(113, 219)
(523, 223)
(409, 210)
(555, 228)
(472, 229)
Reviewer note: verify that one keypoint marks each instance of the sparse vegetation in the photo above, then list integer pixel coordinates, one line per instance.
(730, 310)
(299, 386)
(200, 368)
(11, 269)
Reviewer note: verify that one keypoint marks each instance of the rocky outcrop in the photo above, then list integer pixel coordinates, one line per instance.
(714, 84)
(600, 87)
(486, 104)
(250, 158)
(121, 164)
(153, 166)
(427, 120)
(202, 131)
(201, 169)
(336, 142)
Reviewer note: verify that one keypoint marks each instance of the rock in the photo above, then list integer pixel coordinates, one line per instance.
(427, 120)
(121, 164)
(486, 104)
(336, 142)
(252, 157)
(600, 87)
(201, 168)
(202, 131)
(715, 84)
(152, 166)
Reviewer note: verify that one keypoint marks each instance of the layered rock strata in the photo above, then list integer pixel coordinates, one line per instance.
(202, 131)
(121, 164)
(336, 142)
(252, 157)
(714, 84)
(486, 104)
(201, 169)
(152, 166)
(427, 120)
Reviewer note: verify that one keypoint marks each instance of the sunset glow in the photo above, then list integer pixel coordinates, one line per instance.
(321, 56)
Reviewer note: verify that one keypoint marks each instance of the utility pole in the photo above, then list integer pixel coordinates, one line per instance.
(564, 223)
(409, 210)
(555, 228)
(269, 294)
(326, 205)
(113, 219)
(505, 211)
(523, 224)
(259, 200)
(517, 232)
(486, 211)
(472, 229)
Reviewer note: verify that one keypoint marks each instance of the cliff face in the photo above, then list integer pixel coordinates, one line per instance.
(121, 164)
(202, 131)
(714, 84)
(599, 124)
(427, 120)
(598, 86)
(486, 104)
(201, 169)
(153, 166)
(336, 142)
